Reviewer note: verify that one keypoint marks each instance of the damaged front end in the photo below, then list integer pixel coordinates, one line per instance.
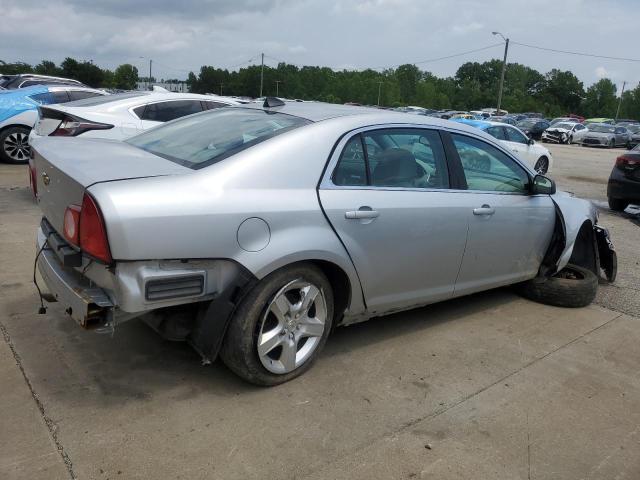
(578, 240)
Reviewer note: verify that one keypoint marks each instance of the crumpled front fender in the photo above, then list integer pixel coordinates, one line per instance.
(573, 212)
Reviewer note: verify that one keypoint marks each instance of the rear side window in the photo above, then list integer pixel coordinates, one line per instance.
(60, 97)
(166, 111)
(487, 169)
(405, 158)
(82, 94)
(202, 140)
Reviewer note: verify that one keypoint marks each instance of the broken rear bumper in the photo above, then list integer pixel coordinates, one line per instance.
(86, 304)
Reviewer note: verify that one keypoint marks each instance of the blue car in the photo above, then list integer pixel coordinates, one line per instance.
(19, 111)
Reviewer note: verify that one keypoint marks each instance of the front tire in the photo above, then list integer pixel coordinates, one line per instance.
(542, 165)
(14, 145)
(280, 327)
(572, 287)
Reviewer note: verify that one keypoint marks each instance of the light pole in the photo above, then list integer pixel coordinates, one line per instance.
(278, 82)
(504, 67)
(379, 89)
(624, 84)
(149, 79)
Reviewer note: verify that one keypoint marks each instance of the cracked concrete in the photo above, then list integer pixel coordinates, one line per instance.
(492, 386)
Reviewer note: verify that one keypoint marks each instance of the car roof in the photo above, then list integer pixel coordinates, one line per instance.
(132, 99)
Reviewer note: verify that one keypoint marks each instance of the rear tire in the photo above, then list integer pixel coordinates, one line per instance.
(269, 339)
(617, 204)
(572, 287)
(14, 145)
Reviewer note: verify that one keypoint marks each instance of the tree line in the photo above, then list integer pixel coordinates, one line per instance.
(474, 86)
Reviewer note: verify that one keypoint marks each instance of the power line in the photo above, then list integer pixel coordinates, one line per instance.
(582, 54)
(430, 60)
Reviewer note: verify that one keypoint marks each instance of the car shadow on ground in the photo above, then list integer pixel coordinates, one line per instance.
(135, 364)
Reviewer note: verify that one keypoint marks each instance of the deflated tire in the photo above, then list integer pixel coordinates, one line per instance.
(572, 287)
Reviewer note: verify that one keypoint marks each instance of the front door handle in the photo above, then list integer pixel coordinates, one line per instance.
(361, 214)
(484, 210)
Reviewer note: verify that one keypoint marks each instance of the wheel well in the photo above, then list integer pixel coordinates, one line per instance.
(341, 286)
(6, 127)
(584, 249)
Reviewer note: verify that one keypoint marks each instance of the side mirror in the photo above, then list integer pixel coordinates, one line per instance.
(543, 186)
(530, 141)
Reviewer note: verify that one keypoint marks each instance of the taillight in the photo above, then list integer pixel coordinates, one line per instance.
(72, 224)
(624, 161)
(72, 126)
(84, 228)
(93, 234)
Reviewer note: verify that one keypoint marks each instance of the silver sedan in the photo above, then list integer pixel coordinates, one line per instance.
(252, 231)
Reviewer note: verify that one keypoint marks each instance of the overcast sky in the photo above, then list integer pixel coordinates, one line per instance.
(183, 35)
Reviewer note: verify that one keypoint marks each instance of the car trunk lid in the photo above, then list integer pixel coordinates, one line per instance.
(66, 167)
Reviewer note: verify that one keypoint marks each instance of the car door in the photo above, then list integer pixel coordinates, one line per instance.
(519, 144)
(622, 136)
(387, 195)
(509, 229)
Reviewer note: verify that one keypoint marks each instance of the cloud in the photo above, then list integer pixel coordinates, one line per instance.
(183, 35)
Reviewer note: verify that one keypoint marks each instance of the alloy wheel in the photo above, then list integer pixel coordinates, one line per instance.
(292, 327)
(16, 146)
(542, 165)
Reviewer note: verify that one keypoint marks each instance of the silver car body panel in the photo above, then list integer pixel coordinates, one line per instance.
(198, 215)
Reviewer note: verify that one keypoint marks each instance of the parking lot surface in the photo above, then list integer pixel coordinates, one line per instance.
(488, 386)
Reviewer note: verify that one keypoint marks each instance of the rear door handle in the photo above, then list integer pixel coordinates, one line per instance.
(361, 214)
(484, 210)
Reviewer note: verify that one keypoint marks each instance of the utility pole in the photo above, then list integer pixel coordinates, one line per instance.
(278, 82)
(379, 89)
(150, 62)
(620, 101)
(504, 67)
(261, 74)
(221, 84)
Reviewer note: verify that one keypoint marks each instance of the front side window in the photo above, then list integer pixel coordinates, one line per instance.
(514, 135)
(487, 169)
(166, 111)
(201, 140)
(399, 157)
(60, 97)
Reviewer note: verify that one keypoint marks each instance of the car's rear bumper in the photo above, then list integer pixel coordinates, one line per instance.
(85, 303)
(622, 187)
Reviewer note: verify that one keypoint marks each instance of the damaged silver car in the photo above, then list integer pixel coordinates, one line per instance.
(251, 232)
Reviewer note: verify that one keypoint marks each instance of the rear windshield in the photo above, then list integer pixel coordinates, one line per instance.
(203, 139)
(102, 99)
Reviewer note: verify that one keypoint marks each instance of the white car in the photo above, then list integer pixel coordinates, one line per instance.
(19, 111)
(122, 115)
(516, 141)
(563, 132)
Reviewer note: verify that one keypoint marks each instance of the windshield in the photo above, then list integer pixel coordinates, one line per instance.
(601, 128)
(565, 125)
(633, 128)
(203, 139)
(527, 123)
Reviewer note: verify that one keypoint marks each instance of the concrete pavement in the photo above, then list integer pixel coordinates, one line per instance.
(490, 386)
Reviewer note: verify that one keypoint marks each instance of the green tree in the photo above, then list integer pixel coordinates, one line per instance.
(47, 67)
(601, 100)
(125, 77)
(563, 90)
